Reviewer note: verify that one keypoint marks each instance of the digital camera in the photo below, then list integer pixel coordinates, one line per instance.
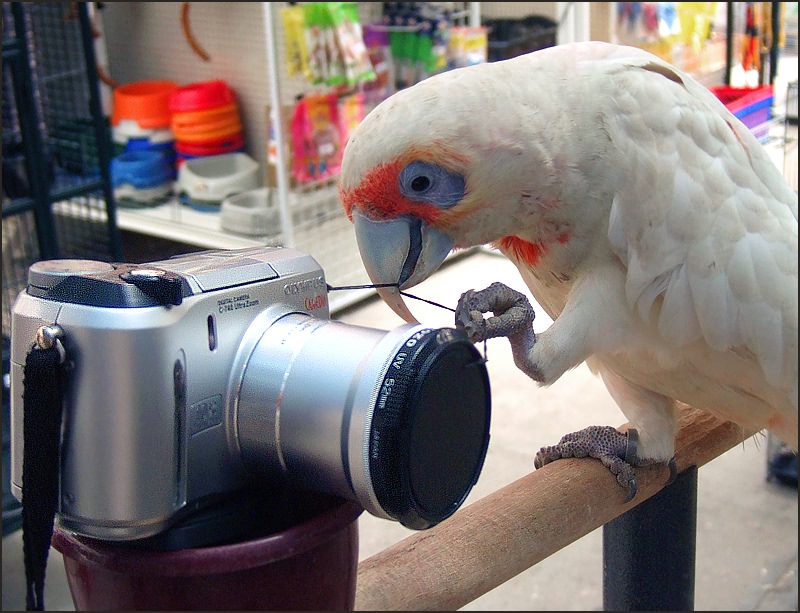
(212, 373)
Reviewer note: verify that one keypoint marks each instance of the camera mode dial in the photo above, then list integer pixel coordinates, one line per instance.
(164, 287)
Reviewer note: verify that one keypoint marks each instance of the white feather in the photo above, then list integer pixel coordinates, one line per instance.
(626, 171)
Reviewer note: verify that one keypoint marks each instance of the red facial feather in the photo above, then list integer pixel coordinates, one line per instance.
(380, 198)
(379, 195)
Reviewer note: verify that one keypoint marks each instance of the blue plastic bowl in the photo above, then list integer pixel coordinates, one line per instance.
(141, 169)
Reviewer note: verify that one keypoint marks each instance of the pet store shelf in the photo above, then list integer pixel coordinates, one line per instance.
(312, 219)
(325, 233)
(320, 229)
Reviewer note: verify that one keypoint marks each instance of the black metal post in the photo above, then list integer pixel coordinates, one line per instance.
(104, 153)
(729, 43)
(774, 46)
(32, 141)
(649, 552)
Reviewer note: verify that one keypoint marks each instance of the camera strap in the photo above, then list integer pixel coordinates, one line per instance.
(44, 382)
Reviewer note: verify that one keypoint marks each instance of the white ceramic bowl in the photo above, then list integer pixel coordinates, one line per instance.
(253, 212)
(215, 177)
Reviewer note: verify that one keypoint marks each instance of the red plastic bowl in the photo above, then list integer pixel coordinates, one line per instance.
(198, 96)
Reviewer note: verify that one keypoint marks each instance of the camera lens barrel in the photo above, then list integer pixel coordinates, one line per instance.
(396, 420)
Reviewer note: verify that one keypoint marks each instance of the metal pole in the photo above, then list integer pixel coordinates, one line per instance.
(729, 43)
(649, 552)
(774, 44)
(101, 135)
(474, 14)
(282, 173)
(32, 138)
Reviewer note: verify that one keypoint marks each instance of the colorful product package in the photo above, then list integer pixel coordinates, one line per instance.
(350, 41)
(316, 142)
(316, 43)
(376, 40)
(351, 113)
(295, 40)
(468, 46)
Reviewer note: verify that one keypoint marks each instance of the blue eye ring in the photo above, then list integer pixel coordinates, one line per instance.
(426, 182)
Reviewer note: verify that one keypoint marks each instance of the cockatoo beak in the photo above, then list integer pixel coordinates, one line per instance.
(403, 251)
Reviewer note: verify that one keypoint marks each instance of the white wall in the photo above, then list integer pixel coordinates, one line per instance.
(144, 40)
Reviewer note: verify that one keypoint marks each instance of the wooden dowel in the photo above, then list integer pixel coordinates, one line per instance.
(495, 538)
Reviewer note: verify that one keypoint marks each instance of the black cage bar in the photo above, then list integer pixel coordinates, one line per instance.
(57, 195)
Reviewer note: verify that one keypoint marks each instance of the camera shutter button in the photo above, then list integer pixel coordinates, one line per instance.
(164, 287)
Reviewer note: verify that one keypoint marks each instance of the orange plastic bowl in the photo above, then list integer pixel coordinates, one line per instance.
(204, 117)
(225, 126)
(202, 136)
(229, 144)
(146, 102)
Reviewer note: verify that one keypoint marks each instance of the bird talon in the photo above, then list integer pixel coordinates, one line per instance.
(632, 489)
(673, 471)
(632, 446)
(469, 318)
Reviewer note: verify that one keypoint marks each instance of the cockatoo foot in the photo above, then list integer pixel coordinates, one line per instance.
(513, 313)
(616, 450)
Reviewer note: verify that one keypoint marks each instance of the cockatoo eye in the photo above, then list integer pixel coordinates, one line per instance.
(426, 182)
(420, 184)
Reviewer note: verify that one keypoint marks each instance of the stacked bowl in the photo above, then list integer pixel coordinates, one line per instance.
(205, 182)
(141, 123)
(205, 120)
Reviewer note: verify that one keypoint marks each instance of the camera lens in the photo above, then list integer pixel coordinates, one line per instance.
(396, 420)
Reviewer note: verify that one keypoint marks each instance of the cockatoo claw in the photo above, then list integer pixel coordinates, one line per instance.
(616, 450)
(673, 471)
(513, 313)
(470, 320)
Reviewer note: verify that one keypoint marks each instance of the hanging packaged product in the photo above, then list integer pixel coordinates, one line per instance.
(440, 38)
(336, 69)
(376, 40)
(468, 46)
(351, 113)
(316, 145)
(402, 42)
(350, 42)
(294, 36)
(316, 43)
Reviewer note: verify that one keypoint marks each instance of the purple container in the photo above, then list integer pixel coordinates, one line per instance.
(311, 565)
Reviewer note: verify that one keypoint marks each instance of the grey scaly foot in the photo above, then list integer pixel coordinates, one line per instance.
(616, 450)
(512, 317)
(513, 313)
(613, 448)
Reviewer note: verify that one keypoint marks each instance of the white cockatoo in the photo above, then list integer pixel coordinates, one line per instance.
(646, 220)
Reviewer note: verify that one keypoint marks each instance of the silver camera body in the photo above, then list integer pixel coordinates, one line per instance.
(194, 377)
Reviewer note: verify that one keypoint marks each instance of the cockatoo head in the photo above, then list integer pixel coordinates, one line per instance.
(425, 173)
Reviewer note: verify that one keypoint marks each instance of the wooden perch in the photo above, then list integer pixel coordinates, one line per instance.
(488, 542)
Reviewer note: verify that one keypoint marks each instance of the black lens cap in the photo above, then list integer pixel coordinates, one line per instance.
(430, 428)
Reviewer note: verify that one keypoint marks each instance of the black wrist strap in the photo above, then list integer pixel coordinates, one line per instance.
(42, 405)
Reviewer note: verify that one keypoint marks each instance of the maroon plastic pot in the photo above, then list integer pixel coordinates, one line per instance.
(311, 565)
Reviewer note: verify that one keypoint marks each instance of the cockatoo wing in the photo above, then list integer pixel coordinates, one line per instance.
(707, 227)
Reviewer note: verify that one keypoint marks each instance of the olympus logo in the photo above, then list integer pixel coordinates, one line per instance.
(307, 285)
